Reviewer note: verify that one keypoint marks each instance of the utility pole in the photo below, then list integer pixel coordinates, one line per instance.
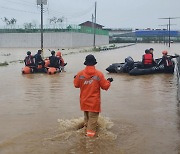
(165, 33)
(41, 3)
(167, 25)
(41, 26)
(170, 27)
(169, 32)
(94, 43)
(93, 23)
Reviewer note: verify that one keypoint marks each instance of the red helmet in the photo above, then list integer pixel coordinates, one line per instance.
(164, 52)
(58, 54)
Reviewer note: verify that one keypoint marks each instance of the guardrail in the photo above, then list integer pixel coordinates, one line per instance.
(178, 77)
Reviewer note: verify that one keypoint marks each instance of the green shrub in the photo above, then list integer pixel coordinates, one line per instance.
(4, 64)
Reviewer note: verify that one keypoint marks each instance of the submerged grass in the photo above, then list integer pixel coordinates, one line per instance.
(82, 51)
(15, 61)
(4, 64)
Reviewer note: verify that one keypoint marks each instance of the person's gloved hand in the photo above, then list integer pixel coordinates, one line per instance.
(110, 79)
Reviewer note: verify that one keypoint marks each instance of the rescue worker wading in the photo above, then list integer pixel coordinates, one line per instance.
(90, 81)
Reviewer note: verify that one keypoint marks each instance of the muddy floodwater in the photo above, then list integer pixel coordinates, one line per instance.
(40, 113)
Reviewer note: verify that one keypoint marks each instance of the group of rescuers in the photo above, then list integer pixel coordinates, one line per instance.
(55, 60)
(91, 81)
(148, 60)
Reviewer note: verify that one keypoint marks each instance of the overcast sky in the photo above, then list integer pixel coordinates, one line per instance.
(110, 13)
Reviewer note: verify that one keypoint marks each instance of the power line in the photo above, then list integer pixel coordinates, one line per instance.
(18, 10)
(52, 12)
(27, 2)
(72, 15)
(75, 15)
(169, 18)
(167, 25)
(24, 4)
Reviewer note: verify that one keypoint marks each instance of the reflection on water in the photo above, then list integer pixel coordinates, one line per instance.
(139, 113)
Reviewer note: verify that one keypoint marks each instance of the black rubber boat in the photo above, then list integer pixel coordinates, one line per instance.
(152, 70)
(136, 68)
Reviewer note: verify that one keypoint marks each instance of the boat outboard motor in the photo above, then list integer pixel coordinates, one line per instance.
(129, 64)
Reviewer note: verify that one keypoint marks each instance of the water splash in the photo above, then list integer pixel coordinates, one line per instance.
(70, 125)
(69, 128)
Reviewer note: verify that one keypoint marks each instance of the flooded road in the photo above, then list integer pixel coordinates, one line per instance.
(40, 113)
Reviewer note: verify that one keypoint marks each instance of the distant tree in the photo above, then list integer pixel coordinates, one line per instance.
(13, 21)
(54, 21)
(29, 25)
(7, 22)
(60, 20)
(10, 22)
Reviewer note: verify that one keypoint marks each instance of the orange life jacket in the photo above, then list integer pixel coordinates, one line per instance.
(90, 81)
(148, 58)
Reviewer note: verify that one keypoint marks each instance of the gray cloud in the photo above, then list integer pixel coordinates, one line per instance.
(110, 13)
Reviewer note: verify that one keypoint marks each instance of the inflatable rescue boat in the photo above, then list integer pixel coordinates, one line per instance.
(136, 68)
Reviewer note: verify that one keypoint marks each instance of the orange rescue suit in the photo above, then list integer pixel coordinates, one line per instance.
(148, 58)
(90, 81)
